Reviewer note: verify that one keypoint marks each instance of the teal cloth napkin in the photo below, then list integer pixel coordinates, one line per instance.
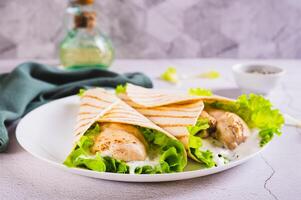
(30, 85)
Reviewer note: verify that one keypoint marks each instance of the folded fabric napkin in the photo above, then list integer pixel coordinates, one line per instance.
(31, 85)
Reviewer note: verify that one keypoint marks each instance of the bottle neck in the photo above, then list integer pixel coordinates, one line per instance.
(80, 16)
(85, 19)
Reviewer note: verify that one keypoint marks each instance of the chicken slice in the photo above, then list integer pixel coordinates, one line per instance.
(121, 141)
(231, 130)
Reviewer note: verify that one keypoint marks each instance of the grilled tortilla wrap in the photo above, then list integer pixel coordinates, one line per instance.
(184, 117)
(111, 136)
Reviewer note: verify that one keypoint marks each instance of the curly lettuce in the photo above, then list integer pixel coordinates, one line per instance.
(257, 112)
(195, 143)
(172, 157)
(200, 92)
(172, 152)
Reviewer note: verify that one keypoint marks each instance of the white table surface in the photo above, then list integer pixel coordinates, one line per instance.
(274, 174)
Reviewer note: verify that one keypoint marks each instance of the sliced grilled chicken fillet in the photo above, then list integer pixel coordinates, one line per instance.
(231, 130)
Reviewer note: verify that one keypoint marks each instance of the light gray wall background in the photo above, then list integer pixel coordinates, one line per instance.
(161, 28)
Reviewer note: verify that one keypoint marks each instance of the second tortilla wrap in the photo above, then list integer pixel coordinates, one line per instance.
(176, 113)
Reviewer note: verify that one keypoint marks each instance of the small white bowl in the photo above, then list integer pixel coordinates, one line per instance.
(257, 78)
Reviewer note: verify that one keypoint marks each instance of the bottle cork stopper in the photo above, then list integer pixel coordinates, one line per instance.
(84, 2)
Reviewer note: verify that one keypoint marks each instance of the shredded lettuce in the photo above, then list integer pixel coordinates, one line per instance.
(257, 112)
(195, 143)
(81, 92)
(210, 75)
(172, 157)
(200, 92)
(120, 89)
(170, 75)
(171, 151)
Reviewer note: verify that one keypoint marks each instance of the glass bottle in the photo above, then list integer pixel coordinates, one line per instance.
(84, 45)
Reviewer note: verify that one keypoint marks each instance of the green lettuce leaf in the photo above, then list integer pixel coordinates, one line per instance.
(170, 75)
(171, 151)
(267, 135)
(120, 89)
(257, 112)
(81, 92)
(95, 163)
(114, 165)
(93, 130)
(200, 92)
(204, 156)
(147, 169)
(201, 124)
(195, 143)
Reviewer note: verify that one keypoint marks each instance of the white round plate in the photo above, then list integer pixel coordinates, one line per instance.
(47, 133)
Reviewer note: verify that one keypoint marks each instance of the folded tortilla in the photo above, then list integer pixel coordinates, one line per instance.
(173, 112)
(111, 136)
